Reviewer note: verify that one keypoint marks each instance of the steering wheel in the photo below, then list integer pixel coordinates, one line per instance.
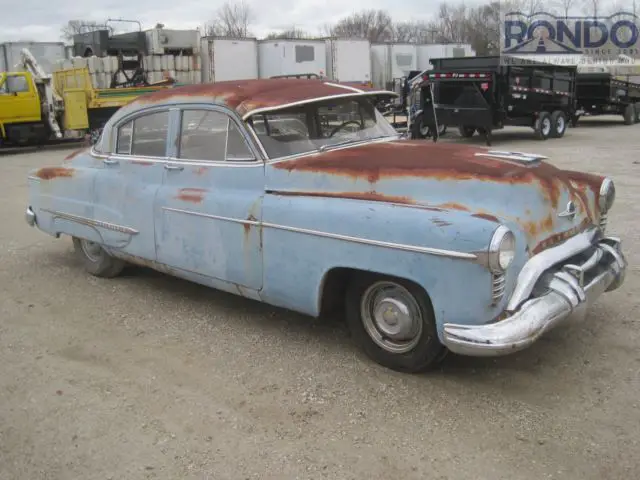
(342, 125)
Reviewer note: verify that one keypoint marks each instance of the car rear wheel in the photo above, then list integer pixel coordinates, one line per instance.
(543, 126)
(392, 321)
(96, 260)
(559, 124)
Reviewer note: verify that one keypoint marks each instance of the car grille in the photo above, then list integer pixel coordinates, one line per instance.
(497, 287)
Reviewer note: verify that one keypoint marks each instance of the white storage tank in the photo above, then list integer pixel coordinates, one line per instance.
(428, 51)
(47, 54)
(291, 57)
(229, 59)
(349, 60)
(392, 60)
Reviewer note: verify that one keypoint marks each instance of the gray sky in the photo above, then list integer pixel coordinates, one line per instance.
(40, 20)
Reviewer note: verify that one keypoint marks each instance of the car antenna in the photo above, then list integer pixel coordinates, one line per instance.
(435, 117)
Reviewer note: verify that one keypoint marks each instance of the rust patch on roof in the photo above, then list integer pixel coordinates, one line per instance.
(486, 216)
(192, 195)
(247, 95)
(49, 173)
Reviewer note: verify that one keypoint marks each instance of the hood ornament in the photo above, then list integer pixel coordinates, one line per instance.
(570, 212)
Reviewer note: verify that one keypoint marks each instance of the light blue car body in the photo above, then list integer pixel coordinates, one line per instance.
(281, 230)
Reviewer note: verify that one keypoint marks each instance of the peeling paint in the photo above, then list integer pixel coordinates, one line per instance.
(372, 196)
(441, 223)
(142, 163)
(486, 216)
(192, 195)
(49, 173)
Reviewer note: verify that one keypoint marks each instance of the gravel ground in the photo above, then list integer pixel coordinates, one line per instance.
(150, 377)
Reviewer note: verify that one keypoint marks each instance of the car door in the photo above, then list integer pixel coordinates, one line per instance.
(209, 208)
(125, 187)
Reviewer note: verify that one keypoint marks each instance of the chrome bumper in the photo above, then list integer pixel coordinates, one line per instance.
(563, 291)
(30, 216)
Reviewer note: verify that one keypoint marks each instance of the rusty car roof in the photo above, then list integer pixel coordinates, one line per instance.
(247, 97)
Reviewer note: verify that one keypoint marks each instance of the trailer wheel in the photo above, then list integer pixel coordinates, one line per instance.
(559, 124)
(629, 114)
(543, 126)
(418, 128)
(466, 131)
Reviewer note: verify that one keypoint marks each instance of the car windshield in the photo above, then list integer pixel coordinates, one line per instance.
(320, 125)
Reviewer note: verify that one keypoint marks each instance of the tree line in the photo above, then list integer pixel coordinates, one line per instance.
(478, 26)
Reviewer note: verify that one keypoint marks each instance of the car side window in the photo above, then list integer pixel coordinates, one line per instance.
(150, 135)
(123, 142)
(211, 135)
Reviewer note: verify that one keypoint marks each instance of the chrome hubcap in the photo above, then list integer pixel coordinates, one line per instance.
(391, 317)
(91, 249)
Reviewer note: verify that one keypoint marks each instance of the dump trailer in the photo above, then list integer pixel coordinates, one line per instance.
(37, 108)
(605, 94)
(482, 94)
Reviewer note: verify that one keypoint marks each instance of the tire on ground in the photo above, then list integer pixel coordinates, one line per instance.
(97, 262)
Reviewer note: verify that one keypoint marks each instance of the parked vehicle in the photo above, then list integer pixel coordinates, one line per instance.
(603, 94)
(298, 193)
(229, 59)
(481, 94)
(38, 108)
(291, 56)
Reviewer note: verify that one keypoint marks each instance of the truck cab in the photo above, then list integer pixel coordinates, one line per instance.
(20, 111)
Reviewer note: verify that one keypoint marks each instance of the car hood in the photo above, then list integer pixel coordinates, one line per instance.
(524, 194)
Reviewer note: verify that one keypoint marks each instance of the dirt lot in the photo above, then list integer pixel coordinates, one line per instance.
(149, 377)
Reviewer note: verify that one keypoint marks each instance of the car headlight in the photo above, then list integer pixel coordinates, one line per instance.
(502, 249)
(607, 195)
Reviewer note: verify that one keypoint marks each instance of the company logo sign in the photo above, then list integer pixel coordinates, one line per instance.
(614, 38)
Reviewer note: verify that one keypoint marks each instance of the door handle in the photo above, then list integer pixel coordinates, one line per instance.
(110, 161)
(173, 167)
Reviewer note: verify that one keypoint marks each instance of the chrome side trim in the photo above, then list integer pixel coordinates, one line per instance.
(92, 223)
(541, 262)
(335, 236)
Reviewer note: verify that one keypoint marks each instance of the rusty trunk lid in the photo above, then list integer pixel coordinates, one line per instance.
(518, 190)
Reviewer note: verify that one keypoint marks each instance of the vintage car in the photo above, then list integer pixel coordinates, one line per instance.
(298, 193)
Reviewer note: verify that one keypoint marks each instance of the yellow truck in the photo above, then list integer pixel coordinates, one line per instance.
(37, 108)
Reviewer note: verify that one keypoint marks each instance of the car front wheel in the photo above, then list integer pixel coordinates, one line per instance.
(392, 321)
(96, 260)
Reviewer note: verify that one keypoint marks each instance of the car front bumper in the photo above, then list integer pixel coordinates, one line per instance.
(555, 294)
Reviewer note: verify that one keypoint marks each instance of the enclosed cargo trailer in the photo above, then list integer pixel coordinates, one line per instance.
(390, 61)
(291, 57)
(349, 60)
(229, 59)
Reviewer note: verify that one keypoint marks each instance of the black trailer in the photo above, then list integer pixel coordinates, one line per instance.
(604, 94)
(483, 94)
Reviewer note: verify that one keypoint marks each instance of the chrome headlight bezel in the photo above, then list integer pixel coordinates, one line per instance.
(607, 195)
(502, 249)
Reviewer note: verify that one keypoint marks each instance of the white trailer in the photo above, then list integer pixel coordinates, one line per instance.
(428, 51)
(229, 59)
(292, 57)
(161, 41)
(47, 54)
(348, 60)
(392, 60)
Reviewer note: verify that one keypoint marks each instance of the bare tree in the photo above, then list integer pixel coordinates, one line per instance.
(418, 32)
(231, 20)
(375, 25)
(73, 27)
(483, 28)
(592, 7)
(292, 32)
